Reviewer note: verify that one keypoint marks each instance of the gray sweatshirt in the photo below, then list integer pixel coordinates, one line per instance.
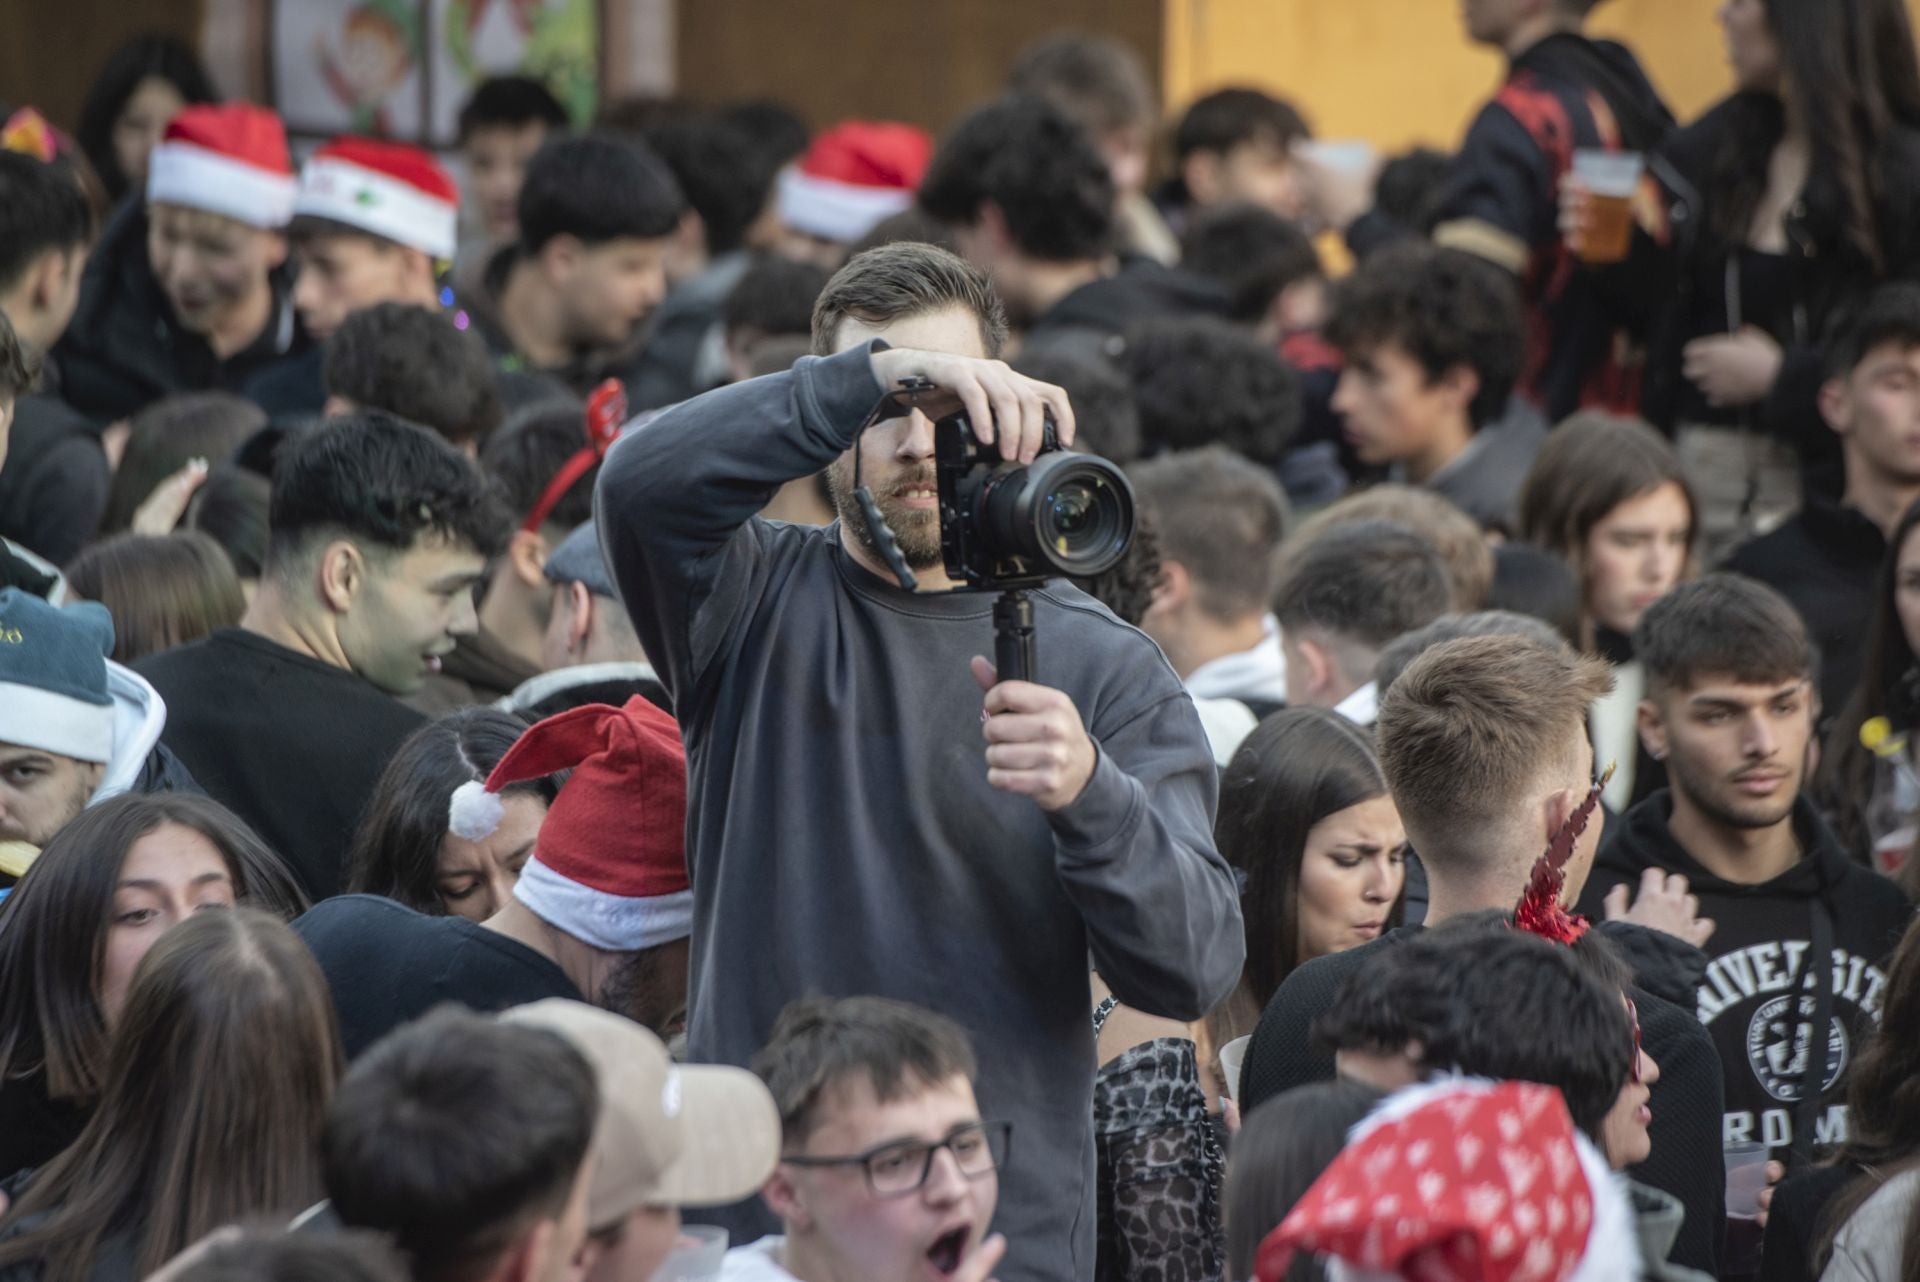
(841, 835)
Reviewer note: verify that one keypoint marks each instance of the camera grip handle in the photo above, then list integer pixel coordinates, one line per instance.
(883, 539)
(1013, 648)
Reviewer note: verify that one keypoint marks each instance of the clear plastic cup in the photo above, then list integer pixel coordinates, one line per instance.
(1610, 179)
(1231, 1056)
(697, 1257)
(1746, 1179)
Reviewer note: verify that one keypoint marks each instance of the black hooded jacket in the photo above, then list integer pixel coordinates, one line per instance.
(1502, 200)
(1756, 961)
(124, 349)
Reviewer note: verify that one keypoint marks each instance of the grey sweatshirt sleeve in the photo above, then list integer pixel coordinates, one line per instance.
(676, 500)
(1135, 854)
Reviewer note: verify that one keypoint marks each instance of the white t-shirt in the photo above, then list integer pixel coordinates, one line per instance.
(757, 1262)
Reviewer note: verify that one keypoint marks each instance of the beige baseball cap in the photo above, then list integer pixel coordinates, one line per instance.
(668, 1134)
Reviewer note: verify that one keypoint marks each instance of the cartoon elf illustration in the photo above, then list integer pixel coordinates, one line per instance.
(377, 49)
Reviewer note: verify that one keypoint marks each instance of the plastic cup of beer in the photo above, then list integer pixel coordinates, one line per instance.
(1610, 179)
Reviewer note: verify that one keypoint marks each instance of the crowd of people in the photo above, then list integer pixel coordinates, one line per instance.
(504, 776)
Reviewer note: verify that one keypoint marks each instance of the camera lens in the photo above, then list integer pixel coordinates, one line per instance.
(1070, 513)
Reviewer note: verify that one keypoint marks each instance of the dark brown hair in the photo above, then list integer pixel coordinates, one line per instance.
(906, 278)
(163, 437)
(217, 1081)
(1722, 625)
(1468, 727)
(1458, 538)
(162, 590)
(1286, 1144)
(899, 1049)
(1590, 465)
(53, 929)
(1296, 768)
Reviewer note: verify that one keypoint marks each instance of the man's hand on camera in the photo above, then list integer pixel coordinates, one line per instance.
(1036, 746)
(1005, 408)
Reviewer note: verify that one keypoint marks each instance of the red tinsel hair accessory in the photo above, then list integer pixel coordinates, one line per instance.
(1539, 911)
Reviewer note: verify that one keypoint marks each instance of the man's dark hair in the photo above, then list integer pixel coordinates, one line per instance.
(18, 366)
(906, 279)
(42, 210)
(414, 363)
(1200, 381)
(1891, 314)
(726, 178)
(230, 507)
(523, 458)
(898, 1048)
(454, 1134)
(1368, 582)
(597, 187)
(1411, 186)
(271, 1254)
(1128, 588)
(1226, 118)
(510, 102)
(1221, 517)
(1722, 625)
(1097, 80)
(382, 483)
(777, 131)
(1445, 307)
(774, 296)
(1451, 627)
(1040, 169)
(1106, 419)
(165, 435)
(1250, 252)
(1489, 1001)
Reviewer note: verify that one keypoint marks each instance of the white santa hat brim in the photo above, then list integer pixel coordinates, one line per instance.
(835, 210)
(611, 923)
(184, 173)
(401, 212)
(1613, 1242)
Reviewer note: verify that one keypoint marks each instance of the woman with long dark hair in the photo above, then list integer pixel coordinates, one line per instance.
(1871, 805)
(145, 82)
(404, 849)
(1788, 200)
(215, 1089)
(1306, 821)
(74, 930)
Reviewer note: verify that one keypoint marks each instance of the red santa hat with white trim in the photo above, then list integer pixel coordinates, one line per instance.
(1463, 1180)
(227, 158)
(852, 176)
(386, 189)
(610, 864)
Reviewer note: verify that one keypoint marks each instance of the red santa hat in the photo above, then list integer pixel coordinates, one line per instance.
(1462, 1180)
(610, 864)
(852, 176)
(226, 158)
(388, 189)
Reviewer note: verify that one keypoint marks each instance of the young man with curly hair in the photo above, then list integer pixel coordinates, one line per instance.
(1432, 341)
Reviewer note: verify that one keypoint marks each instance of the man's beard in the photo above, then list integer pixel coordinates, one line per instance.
(1711, 796)
(915, 530)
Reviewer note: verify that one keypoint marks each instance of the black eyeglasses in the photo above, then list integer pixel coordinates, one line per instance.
(895, 1170)
(1633, 1017)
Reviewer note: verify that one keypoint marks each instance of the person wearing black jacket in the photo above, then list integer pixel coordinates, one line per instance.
(1563, 92)
(1031, 203)
(189, 290)
(1786, 202)
(1826, 559)
(1484, 745)
(1730, 708)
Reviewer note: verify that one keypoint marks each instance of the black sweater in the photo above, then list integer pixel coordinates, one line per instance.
(1756, 961)
(1685, 1101)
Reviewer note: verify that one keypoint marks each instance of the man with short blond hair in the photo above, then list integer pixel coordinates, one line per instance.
(1484, 746)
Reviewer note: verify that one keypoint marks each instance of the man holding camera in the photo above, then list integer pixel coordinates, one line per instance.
(862, 820)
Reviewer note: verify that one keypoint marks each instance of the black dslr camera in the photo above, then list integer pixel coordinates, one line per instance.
(1004, 526)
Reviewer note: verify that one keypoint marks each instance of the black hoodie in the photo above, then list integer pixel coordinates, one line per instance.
(1756, 958)
(1502, 200)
